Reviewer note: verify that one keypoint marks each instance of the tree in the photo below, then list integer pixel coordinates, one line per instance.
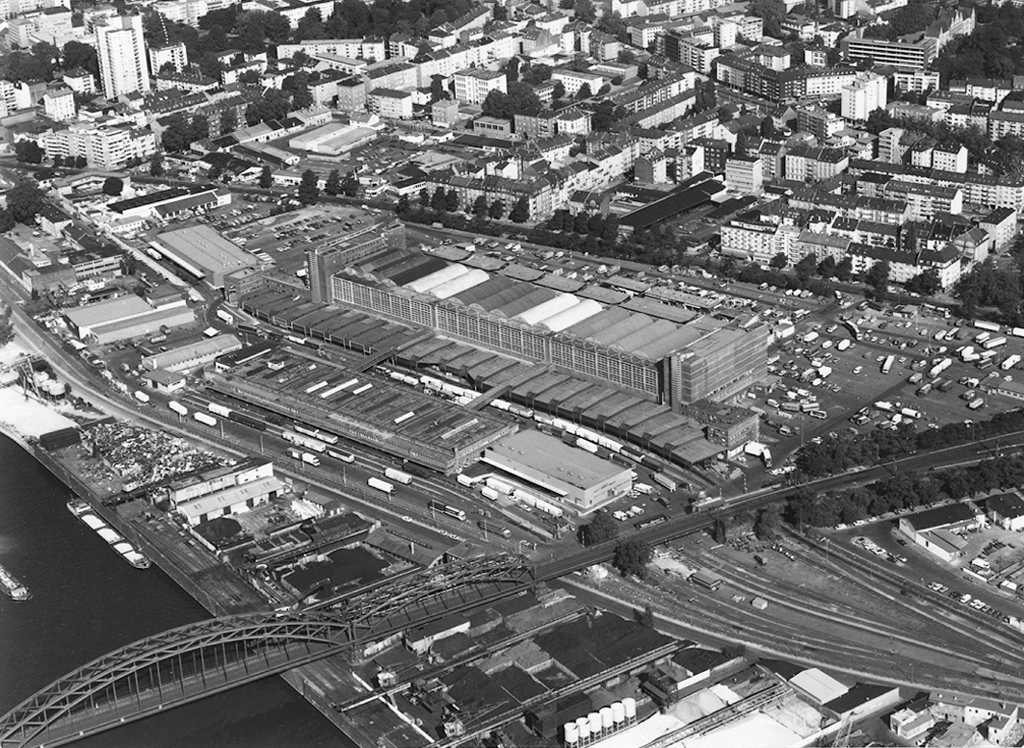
(302, 98)
(215, 172)
(199, 128)
(112, 186)
(451, 200)
(333, 184)
(601, 529)
(29, 152)
(480, 206)
(768, 128)
(877, 277)
(79, 55)
(402, 207)
(350, 185)
(437, 201)
(879, 120)
(584, 10)
(309, 191)
(520, 99)
(266, 177)
(584, 92)
(779, 261)
(6, 221)
(806, 267)
(771, 12)
(497, 210)
(827, 267)
(228, 120)
(926, 283)
(424, 197)
(767, 522)
(512, 70)
(310, 26)
(520, 211)
(645, 617)
(273, 105)
(558, 90)
(844, 270)
(249, 78)
(156, 166)
(536, 74)
(175, 137)
(6, 325)
(80, 162)
(24, 201)
(631, 558)
(606, 116)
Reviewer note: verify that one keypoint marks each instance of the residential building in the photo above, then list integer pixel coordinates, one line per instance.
(389, 104)
(950, 158)
(814, 164)
(866, 94)
(473, 86)
(916, 81)
(122, 56)
(59, 103)
(925, 200)
(744, 174)
(171, 54)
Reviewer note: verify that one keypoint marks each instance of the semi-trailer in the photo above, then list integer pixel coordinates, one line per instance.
(177, 407)
(204, 418)
(381, 485)
(397, 475)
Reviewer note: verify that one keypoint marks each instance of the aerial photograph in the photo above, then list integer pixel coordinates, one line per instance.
(511, 373)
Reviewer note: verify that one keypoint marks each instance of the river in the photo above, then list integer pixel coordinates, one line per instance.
(86, 601)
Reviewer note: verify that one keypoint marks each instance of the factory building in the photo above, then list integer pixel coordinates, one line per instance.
(125, 317)
(706, 359)
(224, 491)
(575, 476)
(629, 417)
(194, 355)
(331, 255)
(204, 253)
(366, 408)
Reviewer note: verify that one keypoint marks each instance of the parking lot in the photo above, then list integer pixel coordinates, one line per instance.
(896, 369)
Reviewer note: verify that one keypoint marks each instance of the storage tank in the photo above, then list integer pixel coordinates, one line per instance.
(583, 727)
(606, 718)
(629, 704)
(595, 723)
(618, 713)
(572, 734)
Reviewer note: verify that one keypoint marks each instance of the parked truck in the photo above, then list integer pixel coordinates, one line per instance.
(810, 337)
(218, 410)
(205, 419)
(887, 364)
(665, 481)
(397, 475)
(643, 488)
(991, 343)
(178, 408)
(381, 485)
(1010, 362)
(306, 457)
(976, 403)
(939, 367)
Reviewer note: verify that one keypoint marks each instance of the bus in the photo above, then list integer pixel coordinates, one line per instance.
(853, 329)
(437, 506)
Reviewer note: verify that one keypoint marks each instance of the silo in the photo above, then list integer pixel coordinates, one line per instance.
(572, 734)
(583, 727)
(607, 722)
(618, 714)
(629, 704)
(596, 729)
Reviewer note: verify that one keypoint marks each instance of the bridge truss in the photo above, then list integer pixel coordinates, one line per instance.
(197, 660)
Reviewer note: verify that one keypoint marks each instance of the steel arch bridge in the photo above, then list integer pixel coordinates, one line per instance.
(190, 662)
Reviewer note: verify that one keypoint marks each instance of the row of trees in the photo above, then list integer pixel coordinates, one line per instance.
(582, 223)
(44, 61)
(839, 453)
(448, 201)
(902, 491)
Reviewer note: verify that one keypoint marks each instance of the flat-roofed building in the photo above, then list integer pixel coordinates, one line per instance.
(933, 529)
(576, 476)
(236, 499)
(204, 253)
(193, 355)
(472, 86)
(123, 318)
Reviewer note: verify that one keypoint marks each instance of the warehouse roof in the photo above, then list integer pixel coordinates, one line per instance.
(206, 248)
(553, 458)
(230, 496)
(107, 311)
(942, 516)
